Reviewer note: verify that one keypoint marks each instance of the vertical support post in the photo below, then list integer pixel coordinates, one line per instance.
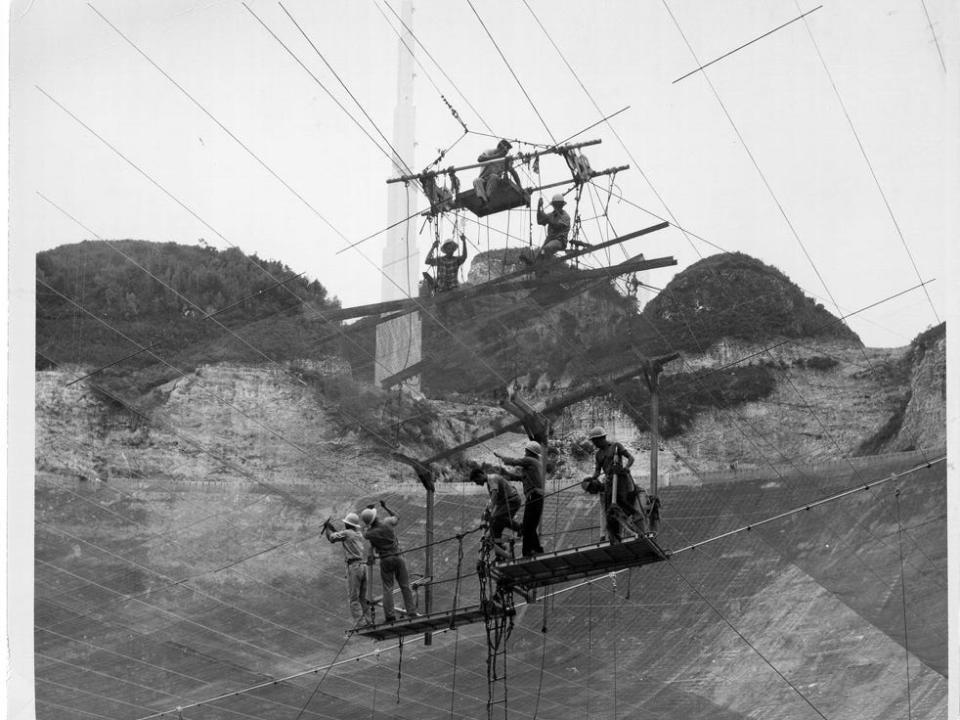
(369, 598)
(651, 372)
(428, 565)
(654, 429)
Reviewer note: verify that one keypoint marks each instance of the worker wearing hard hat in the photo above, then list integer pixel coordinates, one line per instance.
(531, 475)
(353, 554)
(558, 226)
(382, 537)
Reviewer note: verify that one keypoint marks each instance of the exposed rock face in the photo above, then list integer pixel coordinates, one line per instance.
(924, 419)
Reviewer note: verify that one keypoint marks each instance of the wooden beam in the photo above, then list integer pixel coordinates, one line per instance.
(491, 287)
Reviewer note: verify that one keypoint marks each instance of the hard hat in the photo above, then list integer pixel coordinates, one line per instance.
(532, 446)
(352, 520)
(597, 432)
(449, 243)
(368, 515)
(558, 200)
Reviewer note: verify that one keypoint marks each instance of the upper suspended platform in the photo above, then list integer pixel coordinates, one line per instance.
(446, 619)
(579, 562)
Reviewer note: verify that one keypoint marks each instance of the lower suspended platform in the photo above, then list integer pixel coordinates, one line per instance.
(579, 562)
(433, 622)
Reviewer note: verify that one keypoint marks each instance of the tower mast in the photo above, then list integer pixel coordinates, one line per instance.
(399, 340)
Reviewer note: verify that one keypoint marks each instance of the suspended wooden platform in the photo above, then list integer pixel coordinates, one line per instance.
(433, 622)
(504, 195)
(580, 562)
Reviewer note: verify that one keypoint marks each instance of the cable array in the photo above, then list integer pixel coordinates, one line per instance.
(459, 537)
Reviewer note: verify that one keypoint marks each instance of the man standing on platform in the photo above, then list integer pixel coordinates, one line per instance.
(381, 536)
(532, 476)
(353, 554)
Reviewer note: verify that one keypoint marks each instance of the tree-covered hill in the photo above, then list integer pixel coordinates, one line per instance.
(99, 301)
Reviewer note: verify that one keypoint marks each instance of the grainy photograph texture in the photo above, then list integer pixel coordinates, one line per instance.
(480, 359)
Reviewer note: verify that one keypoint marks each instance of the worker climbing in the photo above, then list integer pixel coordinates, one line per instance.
(619, 496)
(447, 265)
(500, 510)
(382, 538)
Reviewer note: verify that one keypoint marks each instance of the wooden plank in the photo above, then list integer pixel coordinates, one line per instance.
(580, 562)
(432, 622)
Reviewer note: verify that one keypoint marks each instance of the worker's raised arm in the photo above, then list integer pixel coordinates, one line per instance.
(431, 256)
(509, 460)
(463, 248)
(328, 531)
(392, 517)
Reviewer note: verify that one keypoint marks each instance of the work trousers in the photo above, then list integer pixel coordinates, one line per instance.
(393, 568)
(357, 590)
(532, 511)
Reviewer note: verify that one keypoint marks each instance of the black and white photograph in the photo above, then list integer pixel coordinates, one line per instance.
(482, 359)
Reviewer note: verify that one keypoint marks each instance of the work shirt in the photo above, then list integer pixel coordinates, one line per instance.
(558, 225)
(494, 168)
(352, 543)
(503, 497)
(447, 268)
(610, 458)
(382, 537)
(531, 472)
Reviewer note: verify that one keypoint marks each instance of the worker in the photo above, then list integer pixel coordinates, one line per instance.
(493, 172)
(503, 505)
(382, 538)
(613, 460)
(448, 264)
(353, 554)
(558, 226)
(531, 474)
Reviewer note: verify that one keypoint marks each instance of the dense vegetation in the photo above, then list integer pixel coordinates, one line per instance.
(558, 331)
(100, 301)
(734, 295)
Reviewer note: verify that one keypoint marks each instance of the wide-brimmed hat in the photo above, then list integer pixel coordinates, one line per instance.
(505, 143)
(449, 244)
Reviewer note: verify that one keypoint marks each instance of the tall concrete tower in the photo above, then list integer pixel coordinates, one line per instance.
(398, 341)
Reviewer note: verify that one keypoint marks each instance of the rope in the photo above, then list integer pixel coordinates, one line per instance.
(456, 588)
(399, 667)
(507, 63)
(903, 602)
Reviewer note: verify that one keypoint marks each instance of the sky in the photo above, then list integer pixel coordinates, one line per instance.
(826, 149)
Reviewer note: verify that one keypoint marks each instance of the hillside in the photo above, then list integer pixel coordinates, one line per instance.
(100, 302)
(179, 556)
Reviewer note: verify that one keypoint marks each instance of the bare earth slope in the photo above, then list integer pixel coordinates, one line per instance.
(164, 579)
